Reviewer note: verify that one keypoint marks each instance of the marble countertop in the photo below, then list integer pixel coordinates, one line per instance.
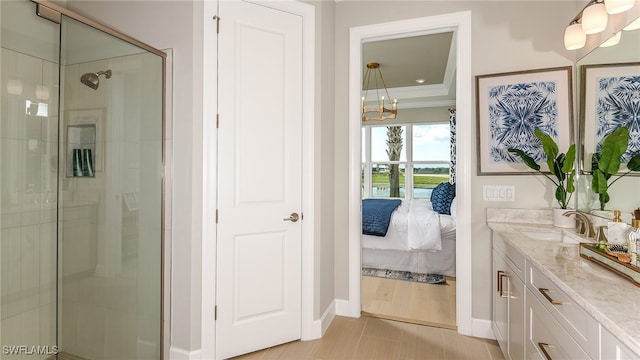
(609, 298)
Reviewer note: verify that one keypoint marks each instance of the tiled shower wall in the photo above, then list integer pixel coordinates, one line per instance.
(28, 160)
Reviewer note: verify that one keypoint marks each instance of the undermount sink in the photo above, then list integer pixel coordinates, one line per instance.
(555, 235)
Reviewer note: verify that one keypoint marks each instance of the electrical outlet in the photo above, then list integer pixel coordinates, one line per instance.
(498, 193)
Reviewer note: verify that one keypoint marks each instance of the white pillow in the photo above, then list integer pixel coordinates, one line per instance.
(454, 207)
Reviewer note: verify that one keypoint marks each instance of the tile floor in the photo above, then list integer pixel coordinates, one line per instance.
(371, 338)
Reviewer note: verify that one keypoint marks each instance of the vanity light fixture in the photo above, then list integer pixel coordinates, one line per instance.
(574, 37)
(618, 6)
(594, 18)
(42, 92)
(379, 112)
(635, 25)
(14, 87)
(613, 40)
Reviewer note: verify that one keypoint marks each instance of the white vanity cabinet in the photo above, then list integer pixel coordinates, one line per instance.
(612, 349)
(558, 328)
(548, 303)
(508, 321)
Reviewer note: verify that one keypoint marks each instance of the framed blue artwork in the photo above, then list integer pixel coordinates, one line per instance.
(610, 98)
(510, 106)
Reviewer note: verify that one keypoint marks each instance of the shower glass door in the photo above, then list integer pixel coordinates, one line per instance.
(29, 49)
(81, 151)
(110, 196)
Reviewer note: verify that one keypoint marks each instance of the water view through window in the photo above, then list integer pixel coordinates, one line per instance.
(422, 161)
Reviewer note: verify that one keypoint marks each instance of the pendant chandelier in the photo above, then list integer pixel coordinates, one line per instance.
(378, 112)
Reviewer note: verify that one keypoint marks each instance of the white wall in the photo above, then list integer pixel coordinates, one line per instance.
(507, 36)
(324, 154)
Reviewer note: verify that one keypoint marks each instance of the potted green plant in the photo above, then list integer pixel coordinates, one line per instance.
(606, 163)
(561, 167)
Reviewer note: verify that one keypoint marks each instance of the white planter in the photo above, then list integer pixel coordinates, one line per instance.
(559, 220)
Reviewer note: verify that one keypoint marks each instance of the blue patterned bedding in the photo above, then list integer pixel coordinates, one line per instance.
(376, 215)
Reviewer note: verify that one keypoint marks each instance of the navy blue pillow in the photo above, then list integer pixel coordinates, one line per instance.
(442, 196)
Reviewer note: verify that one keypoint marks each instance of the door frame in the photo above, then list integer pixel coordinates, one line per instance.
(310, 329)
(464, 85)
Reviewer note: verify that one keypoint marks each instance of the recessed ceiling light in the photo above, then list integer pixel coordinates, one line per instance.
(420, 81)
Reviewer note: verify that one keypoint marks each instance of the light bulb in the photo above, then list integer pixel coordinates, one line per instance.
(614, 40)
(42, 92)
(594, 18)
(618, 6)
(14, 87)
(574, 37)
(635, 25)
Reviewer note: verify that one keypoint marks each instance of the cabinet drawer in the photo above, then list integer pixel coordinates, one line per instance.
(612, 349)
(545, 338)
(578, 324)
(516, 259)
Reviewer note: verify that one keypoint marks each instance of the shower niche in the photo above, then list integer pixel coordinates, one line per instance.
(81, 150)
(82, 142)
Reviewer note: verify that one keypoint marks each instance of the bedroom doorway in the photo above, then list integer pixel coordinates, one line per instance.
(408, 271)
(460, 23)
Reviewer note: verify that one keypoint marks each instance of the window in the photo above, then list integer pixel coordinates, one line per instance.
(400, 157)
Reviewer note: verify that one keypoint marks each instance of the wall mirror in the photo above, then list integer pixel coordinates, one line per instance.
(610, 61)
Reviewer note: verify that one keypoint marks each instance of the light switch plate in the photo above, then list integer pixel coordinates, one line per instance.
(498, 193)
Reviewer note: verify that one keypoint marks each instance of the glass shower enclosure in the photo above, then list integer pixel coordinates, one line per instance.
(81, 182)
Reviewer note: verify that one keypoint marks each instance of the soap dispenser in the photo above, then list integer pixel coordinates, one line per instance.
(617, 230)
(633, 237)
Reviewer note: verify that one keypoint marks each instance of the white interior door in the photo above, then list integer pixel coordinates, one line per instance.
(260, 172)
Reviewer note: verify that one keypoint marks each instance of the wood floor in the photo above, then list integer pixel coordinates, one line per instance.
(372, 338)
(426, 304)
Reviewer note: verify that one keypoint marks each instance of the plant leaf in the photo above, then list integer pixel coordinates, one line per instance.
(604, 199)
(599, 182)
(570, 184)
(558, 164)
(569, 161)
(613, 146)
(634, 163)
(561, 196)
(550, 148)
(528, 160)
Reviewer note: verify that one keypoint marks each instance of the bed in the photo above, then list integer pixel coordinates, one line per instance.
(418, 239)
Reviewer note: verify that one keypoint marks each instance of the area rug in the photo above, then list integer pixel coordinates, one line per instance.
(405, 275)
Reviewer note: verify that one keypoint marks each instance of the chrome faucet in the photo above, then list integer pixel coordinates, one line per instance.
(585, 226)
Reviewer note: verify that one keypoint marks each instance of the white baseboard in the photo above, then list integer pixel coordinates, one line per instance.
(344, 308)
(482, 329)
(327, 318)
(320, 326)
(182, 354)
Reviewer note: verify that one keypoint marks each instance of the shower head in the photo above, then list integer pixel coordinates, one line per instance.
(92, 80)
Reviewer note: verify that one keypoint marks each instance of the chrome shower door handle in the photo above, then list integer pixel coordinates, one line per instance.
(294, 217)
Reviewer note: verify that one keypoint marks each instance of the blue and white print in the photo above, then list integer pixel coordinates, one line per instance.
(515, 111)
(618, 104)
